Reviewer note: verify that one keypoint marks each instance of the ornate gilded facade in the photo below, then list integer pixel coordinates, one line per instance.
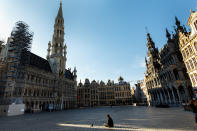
(166, 78)
(101, 94)
(39, 83)
(188, 47)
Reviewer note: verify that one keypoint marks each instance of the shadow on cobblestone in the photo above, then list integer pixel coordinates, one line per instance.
(125, 118)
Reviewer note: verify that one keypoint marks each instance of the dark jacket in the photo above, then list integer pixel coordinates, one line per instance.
(194, 109)
(110, 122)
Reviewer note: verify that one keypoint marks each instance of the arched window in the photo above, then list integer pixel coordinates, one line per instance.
(195, 45)
(176, 74)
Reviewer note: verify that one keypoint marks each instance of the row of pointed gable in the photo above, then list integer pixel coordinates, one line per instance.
(101, 83)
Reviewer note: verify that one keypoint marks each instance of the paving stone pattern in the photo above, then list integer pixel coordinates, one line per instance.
(125, 118)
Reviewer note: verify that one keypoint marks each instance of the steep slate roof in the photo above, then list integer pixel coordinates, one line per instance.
(68, 75)
(28, 58)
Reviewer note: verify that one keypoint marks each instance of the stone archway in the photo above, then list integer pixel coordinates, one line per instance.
(40, 106)
(176, 96)
(176, 74)
(167, 95)
(27, 107)
(164, 96)
(182, 94)
(43, 106)
(170, 95)
(190, 92)
(153, 97)
(32, 106)
(64, 105)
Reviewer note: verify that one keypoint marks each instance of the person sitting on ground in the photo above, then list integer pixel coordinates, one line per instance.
(110, 122)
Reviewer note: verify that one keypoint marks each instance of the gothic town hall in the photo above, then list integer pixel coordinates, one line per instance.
(37, 83)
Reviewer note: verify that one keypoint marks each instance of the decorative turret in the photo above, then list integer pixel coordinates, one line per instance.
(65, 51)
(87, 82)
(57, 50)
(178, 24)
(152, 51)
(75, 74)
(80, 84)
(150, 43)
(120, 79)
(49, 50)
(168, 35)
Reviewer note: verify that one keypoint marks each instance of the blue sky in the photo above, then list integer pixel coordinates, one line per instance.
(105, 38)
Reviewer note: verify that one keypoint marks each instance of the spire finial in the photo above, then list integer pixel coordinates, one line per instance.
(60, 13)
(191, 11)
(168, 34)
(148, 37)
(177, 22)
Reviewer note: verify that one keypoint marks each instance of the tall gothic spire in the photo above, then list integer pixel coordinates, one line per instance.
(57, 50)
(58, 35)
(60, 13)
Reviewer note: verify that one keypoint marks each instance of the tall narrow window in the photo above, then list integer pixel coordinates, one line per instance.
(195, 24)
(195, 45)
(191, 64)
(194, 62)
(192, 79)
(187, 52)
(183, 53)
(190, 49)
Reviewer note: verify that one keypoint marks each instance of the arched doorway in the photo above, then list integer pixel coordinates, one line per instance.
(182, 93)
(170, 96)
(191, 92)
(175, 95)
(167, 95)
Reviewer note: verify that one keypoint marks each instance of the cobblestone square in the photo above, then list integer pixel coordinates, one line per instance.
(125, 118)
